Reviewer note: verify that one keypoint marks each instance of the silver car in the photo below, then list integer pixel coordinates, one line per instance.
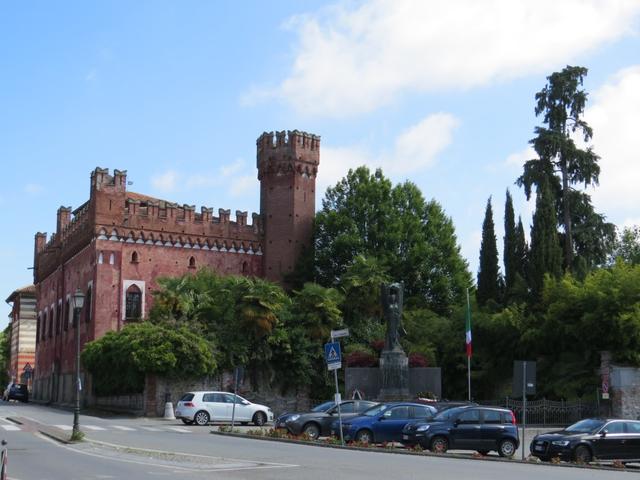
(204, 407)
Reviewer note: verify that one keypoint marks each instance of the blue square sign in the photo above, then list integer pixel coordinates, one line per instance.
(333, 355)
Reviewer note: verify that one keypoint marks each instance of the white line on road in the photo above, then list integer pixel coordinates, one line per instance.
(11, 428)
(126, 429)
(179, 430)
(93, 427)
(151, 429)
(64, 427)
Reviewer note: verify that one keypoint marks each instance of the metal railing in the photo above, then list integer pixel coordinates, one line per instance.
(549, 412)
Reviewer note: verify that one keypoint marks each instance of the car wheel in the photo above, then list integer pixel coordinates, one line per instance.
(582, 454)
(507, 448)
(187, 422)
(259, 419)
(484, 453)
(439, 444)
(364, 436)
(312, 430)
(201, 418)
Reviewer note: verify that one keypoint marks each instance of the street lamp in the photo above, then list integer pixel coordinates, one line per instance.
(78, 303)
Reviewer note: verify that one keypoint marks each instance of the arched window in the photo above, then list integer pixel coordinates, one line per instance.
(59, 318)
(68, 314)
(38, 328)
(245, 267)
(134, 257)
(133, 303)
(51, 322)
(192, 262)
(112, 259)
(87, 305)
(100, 258)
(44, 325)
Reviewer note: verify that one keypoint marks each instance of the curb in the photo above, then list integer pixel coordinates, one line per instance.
(398, 451)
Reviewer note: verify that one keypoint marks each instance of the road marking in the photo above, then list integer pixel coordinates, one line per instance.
(126, 429)
(11, 428)
(179, 429)
(151, 429)
(64, 427)
(93, 427)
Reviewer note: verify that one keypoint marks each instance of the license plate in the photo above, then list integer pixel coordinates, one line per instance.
(405, 437)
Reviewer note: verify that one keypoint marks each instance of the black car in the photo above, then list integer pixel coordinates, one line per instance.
(16, 391)
(466, 428)
(605, 439)
(317, 423)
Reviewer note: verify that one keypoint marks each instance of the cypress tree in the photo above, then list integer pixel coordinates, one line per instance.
(488, 273)
(546, 254)
(521, 253)
(509, 253)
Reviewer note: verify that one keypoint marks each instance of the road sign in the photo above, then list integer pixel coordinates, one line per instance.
(333, 355)
(340, 333)
(605, 383)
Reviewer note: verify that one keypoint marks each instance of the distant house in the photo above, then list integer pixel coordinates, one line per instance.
(114, 246)
(22, 320)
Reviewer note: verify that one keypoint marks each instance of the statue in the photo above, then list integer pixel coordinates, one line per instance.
(391, 295)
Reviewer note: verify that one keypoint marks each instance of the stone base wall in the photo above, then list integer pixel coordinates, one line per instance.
(625, 392)
(368, 381)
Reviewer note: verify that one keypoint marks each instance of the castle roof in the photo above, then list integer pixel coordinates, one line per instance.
(26, 290)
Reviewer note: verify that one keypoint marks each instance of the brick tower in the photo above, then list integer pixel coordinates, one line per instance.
(287, 171)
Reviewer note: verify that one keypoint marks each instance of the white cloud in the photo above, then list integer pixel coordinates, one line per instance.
(241, 186)
(352, 60)
(415, 148)
(518, 159)
(166, 182)
(33, 188)
(614, 117)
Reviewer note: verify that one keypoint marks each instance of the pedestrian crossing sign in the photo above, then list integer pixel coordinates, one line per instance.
(333, 355)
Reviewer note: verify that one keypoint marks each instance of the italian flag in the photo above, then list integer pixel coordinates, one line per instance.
(468, 327)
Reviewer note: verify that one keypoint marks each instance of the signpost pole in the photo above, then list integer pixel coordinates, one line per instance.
(235, 398)
(524, 404)
(337, 399)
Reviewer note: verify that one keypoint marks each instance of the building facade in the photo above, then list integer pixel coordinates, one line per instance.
(22, 321)
(115, 245)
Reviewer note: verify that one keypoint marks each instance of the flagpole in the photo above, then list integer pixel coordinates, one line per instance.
(468, 356)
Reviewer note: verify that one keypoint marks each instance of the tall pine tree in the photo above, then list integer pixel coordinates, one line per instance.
(488, 273)
(509, 252)
(546, 254)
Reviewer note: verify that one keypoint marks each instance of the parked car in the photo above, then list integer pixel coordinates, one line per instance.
(383, 423)
(466, 428)
(204, 407)
(16, 391)
(318, 423)
(606, 439)
(280, 421)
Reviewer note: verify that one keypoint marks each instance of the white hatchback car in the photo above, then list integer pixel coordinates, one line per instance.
(204, 407)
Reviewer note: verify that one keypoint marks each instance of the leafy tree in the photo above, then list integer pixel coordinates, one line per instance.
(413, 240)
(488, 273)
(562, 103)
(545, 255)
(316, 309)
(627, 246)
(119, 361)
(5, 355)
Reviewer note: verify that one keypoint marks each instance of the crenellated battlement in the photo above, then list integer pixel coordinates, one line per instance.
(101, 180)
(291, 152)
(291, 140)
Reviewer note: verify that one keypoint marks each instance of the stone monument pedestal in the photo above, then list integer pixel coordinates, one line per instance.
(394, 376)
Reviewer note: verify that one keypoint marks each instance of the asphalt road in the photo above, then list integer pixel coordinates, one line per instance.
(193, 453)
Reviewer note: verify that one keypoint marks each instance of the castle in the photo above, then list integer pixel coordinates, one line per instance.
(115, 245)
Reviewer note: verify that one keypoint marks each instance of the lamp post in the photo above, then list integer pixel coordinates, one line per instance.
(78, 303)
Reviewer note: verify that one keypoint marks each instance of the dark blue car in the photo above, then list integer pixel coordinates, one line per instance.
(383, 423)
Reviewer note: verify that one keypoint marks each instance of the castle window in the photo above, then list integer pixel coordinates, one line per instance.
(44, 326)
(134, 257)
(51, 323)
(112, 259)
(133, 303)
(68, 320)
(192, 262)
(244, 267)
(38, 329)
(59, 318)
(87, 304)
(100, 259)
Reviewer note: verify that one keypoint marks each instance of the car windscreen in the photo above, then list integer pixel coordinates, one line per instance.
(585, 426)
(323, 407)
(448, 414)
(375, 411)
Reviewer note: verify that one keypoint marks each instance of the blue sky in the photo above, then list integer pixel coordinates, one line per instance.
(176, 93)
